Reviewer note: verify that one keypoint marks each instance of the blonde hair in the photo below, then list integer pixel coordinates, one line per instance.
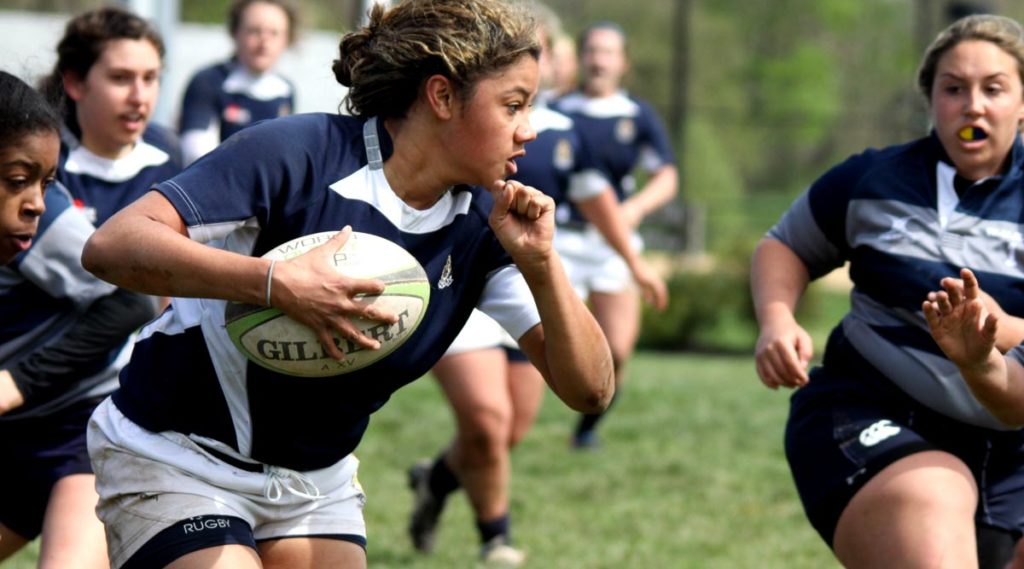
(1004, 32)
(385, 63)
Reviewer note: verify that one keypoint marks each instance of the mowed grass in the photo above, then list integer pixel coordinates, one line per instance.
(691, 474)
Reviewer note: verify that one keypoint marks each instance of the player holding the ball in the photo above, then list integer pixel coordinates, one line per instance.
(246, 466)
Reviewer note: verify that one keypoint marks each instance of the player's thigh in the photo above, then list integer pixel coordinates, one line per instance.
(618, 313)
(475, 384)
(311, 553)
(72, 534)
(231, 556)
(526, 392)
(10, 542)
(916, 512)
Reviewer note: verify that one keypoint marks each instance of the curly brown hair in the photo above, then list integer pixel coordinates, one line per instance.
(385, 63)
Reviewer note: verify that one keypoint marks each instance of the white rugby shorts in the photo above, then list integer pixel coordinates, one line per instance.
(148, 481)
(591, 263)
(480, 333)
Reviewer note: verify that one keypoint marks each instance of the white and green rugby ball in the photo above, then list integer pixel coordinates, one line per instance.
(275, 341)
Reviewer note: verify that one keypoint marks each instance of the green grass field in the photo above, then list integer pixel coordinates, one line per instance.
(691, 474)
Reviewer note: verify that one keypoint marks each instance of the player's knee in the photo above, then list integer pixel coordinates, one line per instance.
(485, 441)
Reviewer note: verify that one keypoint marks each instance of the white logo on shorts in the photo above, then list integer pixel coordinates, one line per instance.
(198, 524)
(878, 432)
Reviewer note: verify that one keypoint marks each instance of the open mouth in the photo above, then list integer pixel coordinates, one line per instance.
(971, 133)
(22, 241)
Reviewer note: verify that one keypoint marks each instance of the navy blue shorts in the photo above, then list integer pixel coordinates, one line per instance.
(515, 355)
(850, 422)
(37, 452)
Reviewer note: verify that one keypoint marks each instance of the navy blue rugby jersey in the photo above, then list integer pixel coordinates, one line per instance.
(895, 216)
(621, 133)
(271, 183)
(224, 98)
(42, 294)
(101, 187)
(558, 163)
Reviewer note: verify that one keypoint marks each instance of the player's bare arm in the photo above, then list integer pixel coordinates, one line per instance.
(660, 189)
(784, 349)
(568, 348)
(605, 213)
(145, 248)
(966, 331)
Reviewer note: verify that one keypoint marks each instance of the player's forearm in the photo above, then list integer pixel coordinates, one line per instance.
(576, 359)
(998, 383)
(1011, 332)
(660, 189)
(142, 254)
(777, 280)
(86, 347)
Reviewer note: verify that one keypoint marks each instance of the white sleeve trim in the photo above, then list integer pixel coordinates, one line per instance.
(507, 299)
(195, 143)
(587, 184)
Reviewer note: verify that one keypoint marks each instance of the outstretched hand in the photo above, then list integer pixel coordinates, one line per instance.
(310, 290)
(959, 321)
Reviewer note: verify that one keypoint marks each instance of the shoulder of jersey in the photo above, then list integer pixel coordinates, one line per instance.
(163, 139)
(544, 118)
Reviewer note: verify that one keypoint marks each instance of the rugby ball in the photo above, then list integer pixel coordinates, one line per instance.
(275, 341)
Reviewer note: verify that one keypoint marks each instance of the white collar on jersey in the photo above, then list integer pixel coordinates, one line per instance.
(542, 119)
(368, 184)
(947, 198)
(82, 161)
(616, 105)
(262, 87)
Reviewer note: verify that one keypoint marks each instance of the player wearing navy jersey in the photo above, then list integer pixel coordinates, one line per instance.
(896, 459)
(107, 78)
(226, 97)
(622, 133)
(63, 335)
(494, 392)
(260, 470)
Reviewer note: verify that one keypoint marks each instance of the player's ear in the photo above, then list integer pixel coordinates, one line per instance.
(73, 85)
(440, 96)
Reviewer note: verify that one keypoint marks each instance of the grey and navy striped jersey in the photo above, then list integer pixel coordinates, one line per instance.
(895, 216)
(44, 294)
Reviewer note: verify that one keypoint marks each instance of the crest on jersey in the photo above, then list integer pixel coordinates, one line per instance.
(237, 114)
(625, 130)
(88, 211)
(563, 154)
(446, 274)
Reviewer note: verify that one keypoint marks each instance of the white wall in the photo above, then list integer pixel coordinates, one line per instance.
(28, 42)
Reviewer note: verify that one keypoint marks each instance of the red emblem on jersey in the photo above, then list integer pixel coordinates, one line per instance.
(237, 114)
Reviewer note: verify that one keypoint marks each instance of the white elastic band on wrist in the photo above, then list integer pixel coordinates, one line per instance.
(270, 279)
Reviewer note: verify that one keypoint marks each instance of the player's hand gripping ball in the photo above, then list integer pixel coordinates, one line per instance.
(275, 341)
